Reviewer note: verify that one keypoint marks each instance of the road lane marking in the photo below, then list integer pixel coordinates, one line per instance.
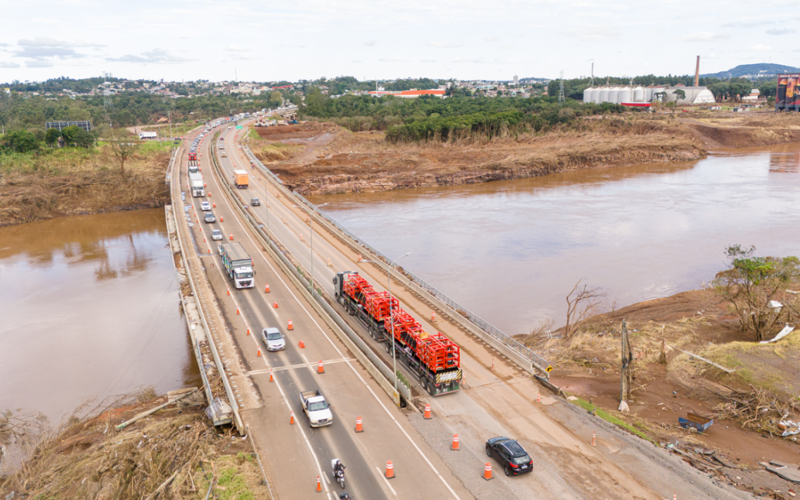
(336, 348)
(387, 481)
(294, 367)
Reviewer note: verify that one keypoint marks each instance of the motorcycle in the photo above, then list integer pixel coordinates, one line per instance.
(338, 472)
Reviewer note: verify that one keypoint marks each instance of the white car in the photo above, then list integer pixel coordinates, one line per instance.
(205, 206)
(273, 339)
(216, 235)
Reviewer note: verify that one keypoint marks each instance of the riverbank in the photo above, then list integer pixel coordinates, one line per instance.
(320, 159)
(79, 182)
(175, 451)
(748, 405)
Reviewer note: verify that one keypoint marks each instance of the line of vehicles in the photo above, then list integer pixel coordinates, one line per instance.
(433, 358)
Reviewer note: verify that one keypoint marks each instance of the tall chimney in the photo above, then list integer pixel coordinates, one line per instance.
(697, 73)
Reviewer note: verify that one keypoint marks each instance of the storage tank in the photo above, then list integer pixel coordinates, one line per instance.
(587, 94)
(624, 95)
(613, 95)
(638, 94)
(656, 90)
(604, 94)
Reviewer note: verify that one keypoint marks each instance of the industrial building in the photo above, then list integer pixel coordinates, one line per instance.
(408, 94)
(643, 96)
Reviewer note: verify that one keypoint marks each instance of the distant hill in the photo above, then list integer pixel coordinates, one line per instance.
(749, 70)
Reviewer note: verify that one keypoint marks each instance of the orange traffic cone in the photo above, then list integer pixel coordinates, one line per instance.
(229, 291)
(329, 263)
(389, 470)
(433, 316)
(291, 418)
(259, 353)
(594, 443)
(209, 251)
(320, 369)
(248, 331)
(455, 446)
(266, 288)
(319, 485)
(487, 471)
(213, 205)
(538, 398)
(237, 311)
(221, 218)
(427, 411)
(231, 238)
(204, 240)
(209, 195)
(301, 345)
(290, 327)
(275, 305)
(359, 258)
(359, 425)
(271, 379)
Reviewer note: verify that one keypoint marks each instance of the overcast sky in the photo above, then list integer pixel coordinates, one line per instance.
(368, 39)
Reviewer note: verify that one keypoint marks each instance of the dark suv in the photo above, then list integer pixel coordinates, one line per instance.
(510, 454)
(255, 202)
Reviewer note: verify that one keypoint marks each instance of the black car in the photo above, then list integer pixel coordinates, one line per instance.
(255, 202)
(510, 454)
(209, 218)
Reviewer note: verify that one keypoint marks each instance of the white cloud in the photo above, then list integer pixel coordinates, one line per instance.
(392, 59)
(466, 60)
(38, 64)
(760, 47)
(236, 48)
(428, 61)
(599, 33)
(51, 42)
(745, 24)
(155, 56)
(705, 36)
(42, 48)
(445, 45)
(780, 31)
(370, 43)
(491, 39)
(4, 64)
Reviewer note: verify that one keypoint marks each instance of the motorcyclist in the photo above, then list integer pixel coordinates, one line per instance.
(344, 496)
(339, 467)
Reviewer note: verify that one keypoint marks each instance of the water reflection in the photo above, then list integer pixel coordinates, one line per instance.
(511, 251)
(90, 309)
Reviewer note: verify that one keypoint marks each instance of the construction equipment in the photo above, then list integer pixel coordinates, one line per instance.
(434, 358)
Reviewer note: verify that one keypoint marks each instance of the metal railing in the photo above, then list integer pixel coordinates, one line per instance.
(510, 342)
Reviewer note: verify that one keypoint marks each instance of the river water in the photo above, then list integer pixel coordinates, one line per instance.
(511, 251)
(89, 310)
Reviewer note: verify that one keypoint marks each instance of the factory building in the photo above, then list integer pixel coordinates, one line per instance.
(643, 96)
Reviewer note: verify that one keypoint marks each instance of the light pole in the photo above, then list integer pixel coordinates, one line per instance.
(389, 279)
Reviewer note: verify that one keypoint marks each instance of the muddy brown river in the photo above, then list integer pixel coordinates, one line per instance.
(511, 251)
(90, 310)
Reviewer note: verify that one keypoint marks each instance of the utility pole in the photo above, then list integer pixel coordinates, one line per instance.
(626, 372)
(561, 89)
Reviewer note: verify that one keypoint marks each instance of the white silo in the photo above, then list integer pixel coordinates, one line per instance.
(587, 94)
(604, 94)
(638, 94)
(596, 95)
(656, 90)
(625, 95)
(613, 95)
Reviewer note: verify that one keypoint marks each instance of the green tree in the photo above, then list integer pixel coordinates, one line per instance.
(123, 146)
(754, 287)
(69, 134)
(51, 137)
(680, 94)
(20, 141)
(83, 139)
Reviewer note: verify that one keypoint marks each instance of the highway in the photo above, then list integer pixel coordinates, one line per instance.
(497, 397)
(296, 454)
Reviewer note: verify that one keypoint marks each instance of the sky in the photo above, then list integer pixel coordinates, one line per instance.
(466, 39)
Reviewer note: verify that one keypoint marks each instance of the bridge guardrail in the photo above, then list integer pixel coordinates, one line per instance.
(511, 343)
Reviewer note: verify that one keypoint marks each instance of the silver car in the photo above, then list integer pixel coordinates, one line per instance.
(216, 235)
(205, 206)
(273, 339)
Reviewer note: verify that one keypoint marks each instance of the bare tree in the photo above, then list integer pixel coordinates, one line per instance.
(540, 332)
(581, 304)
(123, 146)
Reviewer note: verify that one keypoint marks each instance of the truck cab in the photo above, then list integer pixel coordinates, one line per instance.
(316, 408)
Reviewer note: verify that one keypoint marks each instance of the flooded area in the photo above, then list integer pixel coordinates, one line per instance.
(511, 251)
(90, 310)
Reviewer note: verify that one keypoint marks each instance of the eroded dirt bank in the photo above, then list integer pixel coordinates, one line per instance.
(749, 405)
(79, 183)
(321, 159)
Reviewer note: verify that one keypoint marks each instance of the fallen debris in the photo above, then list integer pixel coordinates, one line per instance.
(786, 471)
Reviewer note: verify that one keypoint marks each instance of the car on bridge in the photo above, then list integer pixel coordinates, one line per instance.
(255, 202)
(273, 339)
(513, 457)
(205, 206)
(216, 235)
(210, 218)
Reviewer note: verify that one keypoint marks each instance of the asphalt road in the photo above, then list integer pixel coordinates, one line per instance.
(296, 455)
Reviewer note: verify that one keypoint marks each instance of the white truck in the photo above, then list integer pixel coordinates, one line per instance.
(237, 264)
(196, 183)
(316, 408)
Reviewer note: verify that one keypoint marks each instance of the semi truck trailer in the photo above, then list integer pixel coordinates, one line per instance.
(238, 265)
